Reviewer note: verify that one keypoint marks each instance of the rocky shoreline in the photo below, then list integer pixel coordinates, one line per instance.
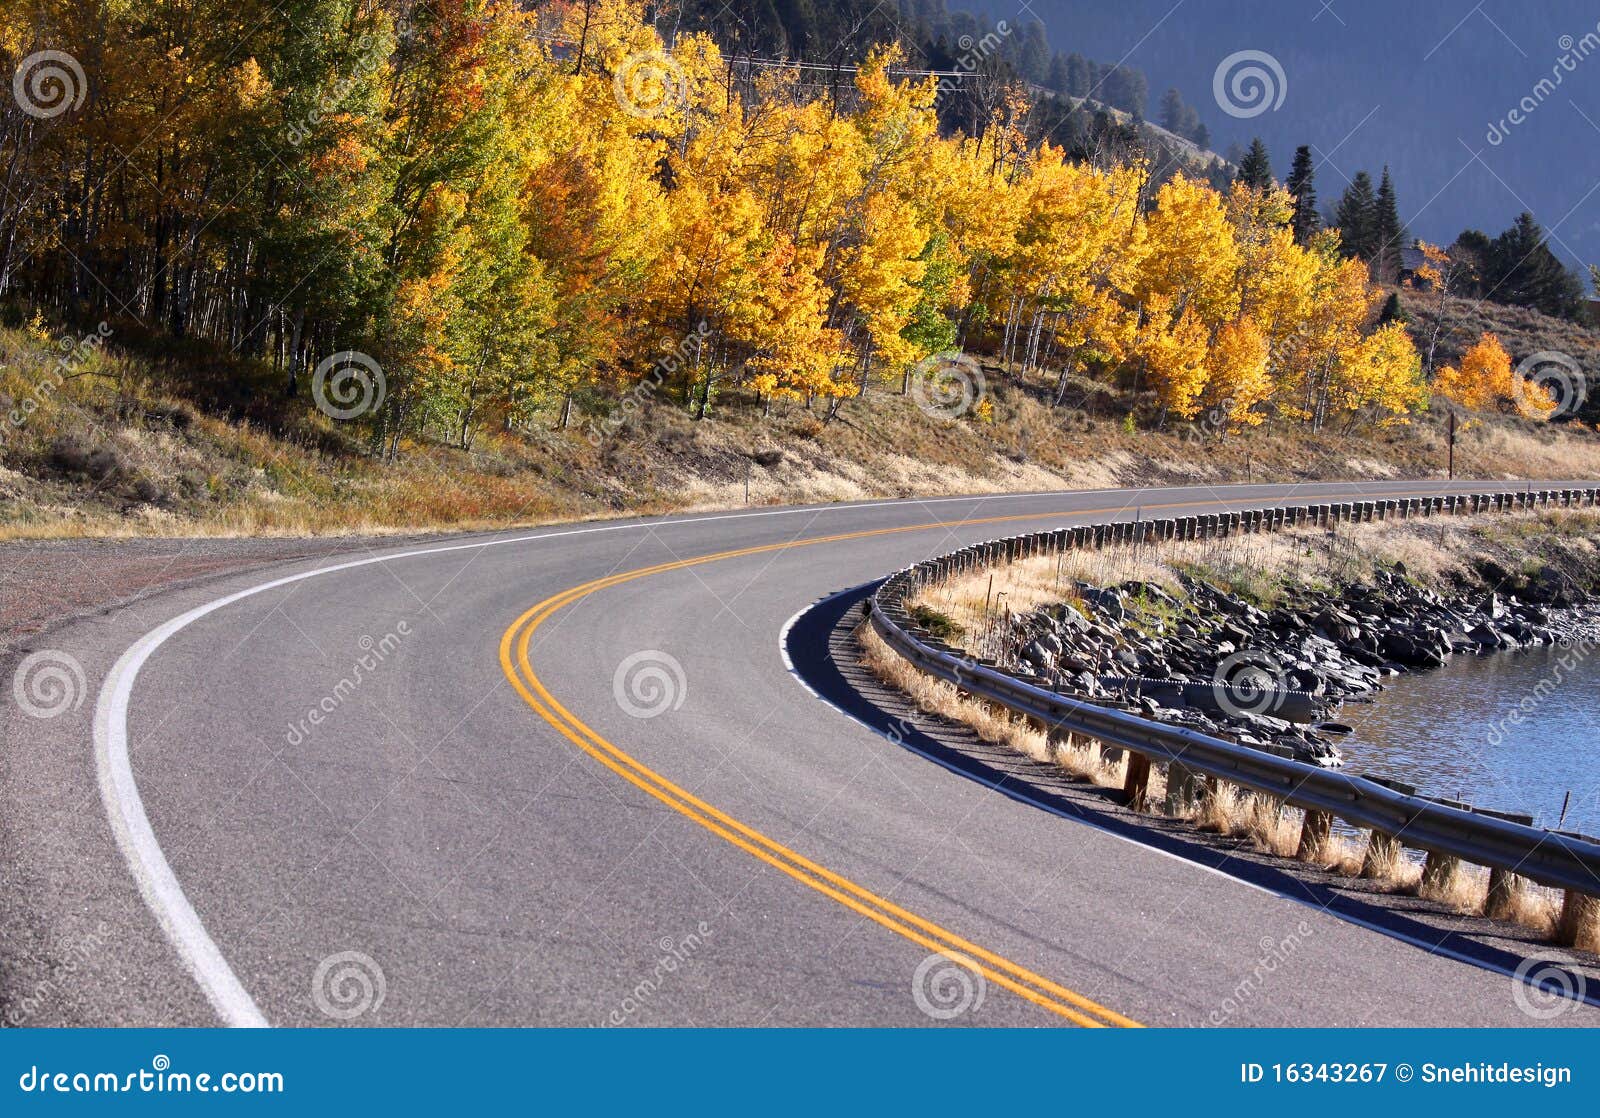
(1275, 677)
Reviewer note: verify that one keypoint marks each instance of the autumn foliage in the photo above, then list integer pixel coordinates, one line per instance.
(525, 209)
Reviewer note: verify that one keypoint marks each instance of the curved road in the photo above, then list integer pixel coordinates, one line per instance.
(566, 777)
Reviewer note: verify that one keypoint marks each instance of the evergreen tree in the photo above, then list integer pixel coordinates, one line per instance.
(1172, 107)
(1255, 169)
(1521, 270)
(1202, 136)
(1080, 75)
(1389, 232)
(1033, 54)
(1059, 80)
(1305, 221)
(1356, 217)
(1393, 311)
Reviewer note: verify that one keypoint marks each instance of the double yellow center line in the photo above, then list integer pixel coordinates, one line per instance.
(514, 661)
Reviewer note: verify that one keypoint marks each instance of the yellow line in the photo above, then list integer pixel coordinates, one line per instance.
(514, 655)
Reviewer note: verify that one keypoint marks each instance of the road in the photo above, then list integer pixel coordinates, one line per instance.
(566, 777)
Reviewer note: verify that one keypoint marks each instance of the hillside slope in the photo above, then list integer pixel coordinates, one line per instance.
(106, 445)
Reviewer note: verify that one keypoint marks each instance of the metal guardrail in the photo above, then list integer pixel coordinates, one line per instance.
(1563, 860)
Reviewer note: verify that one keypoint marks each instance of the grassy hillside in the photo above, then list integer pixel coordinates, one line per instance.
(100, 442)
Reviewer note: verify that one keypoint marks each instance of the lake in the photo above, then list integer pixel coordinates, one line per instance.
(1516, 731)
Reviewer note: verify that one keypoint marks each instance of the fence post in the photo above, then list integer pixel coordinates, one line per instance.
(1136, 782)
(1580, 920)
(1314, 834)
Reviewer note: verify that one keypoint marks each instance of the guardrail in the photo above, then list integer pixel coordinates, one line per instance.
(1449, 832)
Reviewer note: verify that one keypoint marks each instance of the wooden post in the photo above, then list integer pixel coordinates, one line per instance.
(1314, 834)
(1136, 783)
(1505, 892)
(1383, 852)
(1440, 873)
(1183, 789)
(1579, 925)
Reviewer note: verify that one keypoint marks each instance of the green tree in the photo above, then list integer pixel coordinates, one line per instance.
(1522, 271)
(1255, 169)
(1389, 232)
(1305, 221)
(1356, 218)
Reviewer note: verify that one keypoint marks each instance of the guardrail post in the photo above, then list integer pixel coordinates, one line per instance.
(1439, 874)
(1183, 789)
(1383, 852)
(1136, 781)
(1506, 890)
(1315, 831)
(1580, 920)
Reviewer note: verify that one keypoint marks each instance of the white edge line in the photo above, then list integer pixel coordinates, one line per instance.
(124, 807)
(1023, 797)
(130, 824)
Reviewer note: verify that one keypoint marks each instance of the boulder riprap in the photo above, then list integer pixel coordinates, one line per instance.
(1272, 677)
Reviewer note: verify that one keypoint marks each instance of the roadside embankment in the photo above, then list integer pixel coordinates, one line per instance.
(1233, 633)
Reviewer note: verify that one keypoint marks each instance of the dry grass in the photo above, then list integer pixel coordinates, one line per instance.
(209, 446)
(1077, 757)
(1226, 809)
(1435, 551)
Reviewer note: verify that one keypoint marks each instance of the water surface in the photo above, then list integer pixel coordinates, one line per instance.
(1515, 731)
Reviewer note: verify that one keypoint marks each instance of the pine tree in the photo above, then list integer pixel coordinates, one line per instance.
(1356, 218)
(1305, 221)
(1080, 75)
(1521, 270)
(1255, 169)
(1389, 232)
(1172, 107)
